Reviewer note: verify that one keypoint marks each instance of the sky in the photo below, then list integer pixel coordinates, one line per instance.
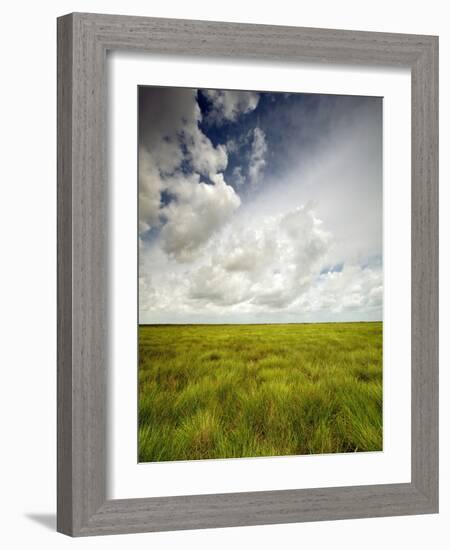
(259, 207)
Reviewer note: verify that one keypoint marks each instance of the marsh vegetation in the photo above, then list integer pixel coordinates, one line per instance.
(223, 391)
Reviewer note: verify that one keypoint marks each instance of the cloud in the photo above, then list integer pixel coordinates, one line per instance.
(240, 142)
(268, 263)
(237, 176)
(353, 289)
(150, 187)
(196, 213)
(204, 157)
(170, 140)
(269, 268)
(228, 105)
(210, 287)
(257, 156)
(164, 115)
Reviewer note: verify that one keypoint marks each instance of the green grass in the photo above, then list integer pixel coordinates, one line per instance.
(223, 391)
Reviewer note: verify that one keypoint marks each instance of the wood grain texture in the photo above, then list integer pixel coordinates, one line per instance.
(83, 40)
(425, 273)
(82, 280)
(64, 276)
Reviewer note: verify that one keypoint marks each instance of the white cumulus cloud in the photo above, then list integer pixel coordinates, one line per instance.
(198, 211)
(230, 104)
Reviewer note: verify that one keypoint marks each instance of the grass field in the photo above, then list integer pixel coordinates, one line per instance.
(222, 391)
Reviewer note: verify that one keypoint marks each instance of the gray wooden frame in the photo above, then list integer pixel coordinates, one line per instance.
(83, 40)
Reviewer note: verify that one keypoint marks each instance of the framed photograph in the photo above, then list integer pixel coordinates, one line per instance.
(247, 274)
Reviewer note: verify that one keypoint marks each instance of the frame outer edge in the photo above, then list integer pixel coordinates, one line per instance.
(82, 268)
(257, 508)
(64, 274)
(250, 40)
(425, 273)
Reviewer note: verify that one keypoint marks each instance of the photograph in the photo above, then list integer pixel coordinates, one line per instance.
(260, 266)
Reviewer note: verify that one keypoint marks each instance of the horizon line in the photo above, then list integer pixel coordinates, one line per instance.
(252, 324)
